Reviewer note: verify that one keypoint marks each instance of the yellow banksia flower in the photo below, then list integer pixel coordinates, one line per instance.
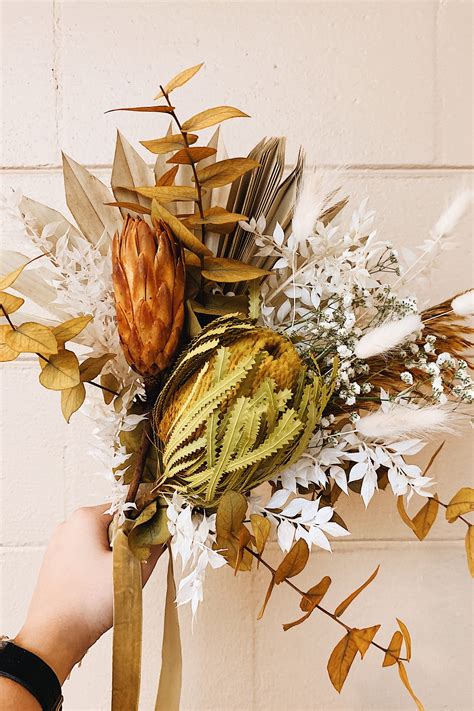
(248, 409)
(149, 281)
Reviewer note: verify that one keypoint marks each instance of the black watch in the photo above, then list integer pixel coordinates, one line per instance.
(31, 672)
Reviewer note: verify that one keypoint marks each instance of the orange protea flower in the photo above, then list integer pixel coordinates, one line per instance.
(149, 280)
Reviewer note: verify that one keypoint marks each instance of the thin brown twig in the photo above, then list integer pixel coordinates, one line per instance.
(461, 518)
(193, 165)
(318, 607)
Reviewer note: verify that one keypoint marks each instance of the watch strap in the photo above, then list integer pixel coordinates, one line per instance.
(31, 672)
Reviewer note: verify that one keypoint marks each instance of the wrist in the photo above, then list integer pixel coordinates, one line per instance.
(54, 644)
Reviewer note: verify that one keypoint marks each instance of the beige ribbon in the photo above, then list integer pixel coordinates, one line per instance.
(127, 632)
(169, 689)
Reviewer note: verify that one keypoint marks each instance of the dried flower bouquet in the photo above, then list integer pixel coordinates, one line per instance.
(239, 329)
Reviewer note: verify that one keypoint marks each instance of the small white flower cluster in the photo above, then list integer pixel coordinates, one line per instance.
(193, 536)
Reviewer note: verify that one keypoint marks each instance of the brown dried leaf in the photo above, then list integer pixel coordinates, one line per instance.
(469, 541)
(61, 372)
(7, 354)
(188, 156)
(243, 539)
(32, 337)
(109, 381)
(70, 329)
(168, 193)
(168, 178)
(403, 513)
(230, 516)
(426, 517)
(345, 603)
(406, 637)
(146, 109)
(92, 367)
(315, 594)
(267, 598)
(210, 117)
(461, 503)
(341, 660)
(404, 677)
(293, 563)
(216, 216)
(288, 625)
(230, 270)
(71, 400)
(393, 652)
(180, 79)
(167, 144)
(10, 303)
(261, 529)
(225, 171)
(363, 638)
(179, 230)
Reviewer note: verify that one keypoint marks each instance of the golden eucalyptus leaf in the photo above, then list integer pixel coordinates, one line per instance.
(145, 109)
(426, 517)
(345, 603)
(403, 513)
(6, 353)
(70, 329)
(341, 660)
(231, 512)
(293, 563)
(10, 303)
(225, 171)
(406, 637)
(180, 79)
(109, 381)
(188, 156)
(168, 193)
(31, 337)
(71, 400)
(404, 677)
(469, 542)
(226, 270)
(393, 652)
(211, 117)
(363, 638)
(92, 367)
(168, 143)
(167, 179)
(61, 372)
(216, 216)
(12, 276)
(261, 527)
(315, 594)
(149, 529)
(268, 595)
(179, 230)
(461, 503)
(243, 540)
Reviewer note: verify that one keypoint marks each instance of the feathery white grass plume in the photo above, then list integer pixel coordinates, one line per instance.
(387, 336)
(463, 305)
(404, 421)
(453, 213)
(311, 202)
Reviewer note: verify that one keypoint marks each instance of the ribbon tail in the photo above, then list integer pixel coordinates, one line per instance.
(127, 630)
(169, 688)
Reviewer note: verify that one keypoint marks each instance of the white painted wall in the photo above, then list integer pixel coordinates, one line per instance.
(386, 89)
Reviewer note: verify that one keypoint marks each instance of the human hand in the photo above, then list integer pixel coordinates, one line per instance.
(72, 603)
